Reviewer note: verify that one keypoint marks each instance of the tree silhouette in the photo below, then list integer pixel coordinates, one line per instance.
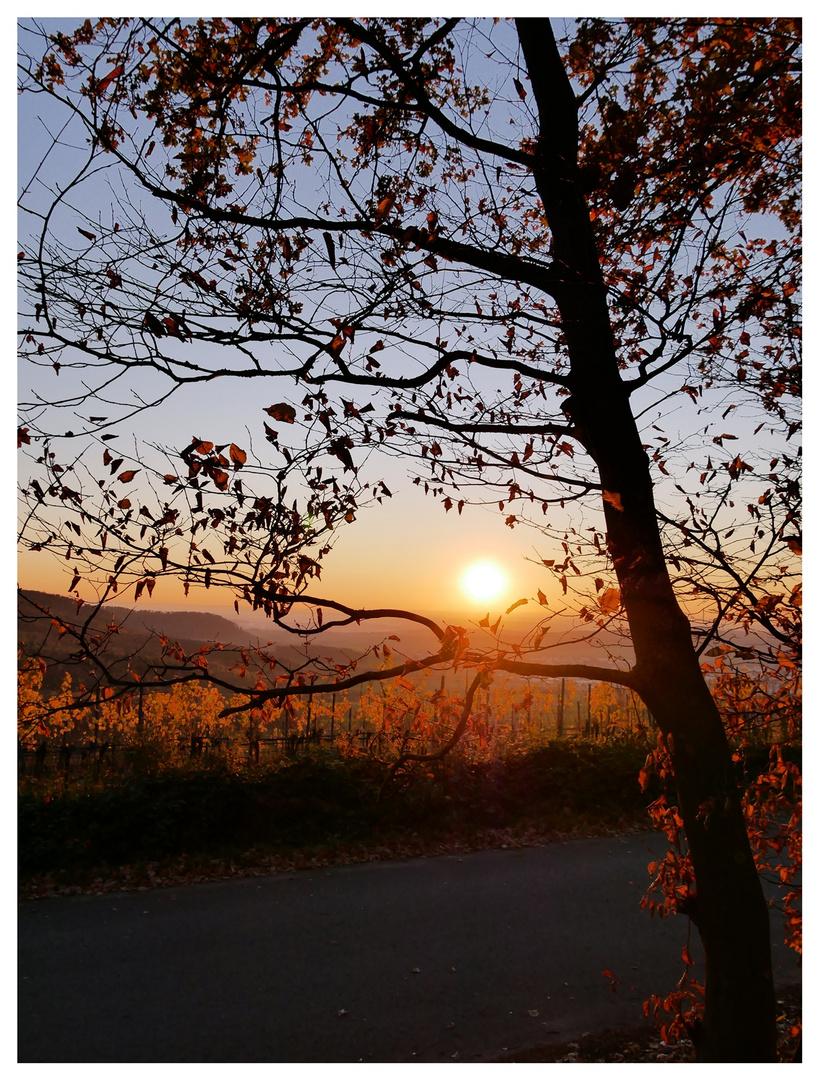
(557, 274)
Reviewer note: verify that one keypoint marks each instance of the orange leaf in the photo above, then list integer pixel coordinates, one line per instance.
(613, 499)
(384, 208)
(609, 602)
(237, 456)
(115, 73)
(127, 476)
(517, 604)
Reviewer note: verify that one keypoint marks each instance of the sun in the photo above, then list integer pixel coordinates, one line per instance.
(483, 581)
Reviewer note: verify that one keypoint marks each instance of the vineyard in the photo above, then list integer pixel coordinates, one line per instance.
(166, 729)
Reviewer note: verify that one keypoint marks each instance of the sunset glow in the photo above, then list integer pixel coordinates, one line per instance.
(483, 581)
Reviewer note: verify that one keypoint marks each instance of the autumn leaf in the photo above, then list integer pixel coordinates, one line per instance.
(284, 412)
(520, 89)
(153, 324)
(609, 602)
(331, 248)
(517, 604)
(340, 448)
(384, 208)
(88, 235)
(237, 456)
(613, 499)
(127, 476)
(105, 82)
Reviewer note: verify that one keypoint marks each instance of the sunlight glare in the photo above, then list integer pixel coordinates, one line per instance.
(483, 581)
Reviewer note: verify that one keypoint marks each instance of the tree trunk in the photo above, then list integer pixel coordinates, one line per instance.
(729, 910)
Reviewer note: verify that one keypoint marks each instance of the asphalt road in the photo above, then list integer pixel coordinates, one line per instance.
(427, 960)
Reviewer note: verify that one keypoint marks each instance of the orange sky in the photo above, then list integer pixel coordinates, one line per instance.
(405, 553)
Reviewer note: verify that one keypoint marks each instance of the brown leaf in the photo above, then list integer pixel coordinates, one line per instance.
(127, 476)
(609, 602)
(284, 412)
(517, 604)
(237, 456)
(331, 248)
(613, 499)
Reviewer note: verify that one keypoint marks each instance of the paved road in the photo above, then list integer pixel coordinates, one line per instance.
(386, 962)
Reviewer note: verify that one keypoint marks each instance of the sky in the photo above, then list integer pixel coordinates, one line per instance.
(376, 561)
(406, 552)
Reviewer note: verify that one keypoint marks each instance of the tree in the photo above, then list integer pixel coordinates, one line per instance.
(504, 254)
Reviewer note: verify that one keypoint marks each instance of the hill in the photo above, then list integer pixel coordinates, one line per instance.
(136, 643)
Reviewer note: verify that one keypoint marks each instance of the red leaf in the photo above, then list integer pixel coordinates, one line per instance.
(104, 83)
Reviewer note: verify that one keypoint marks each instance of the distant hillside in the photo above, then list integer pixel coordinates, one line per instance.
(198, 625)
(136, 643)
